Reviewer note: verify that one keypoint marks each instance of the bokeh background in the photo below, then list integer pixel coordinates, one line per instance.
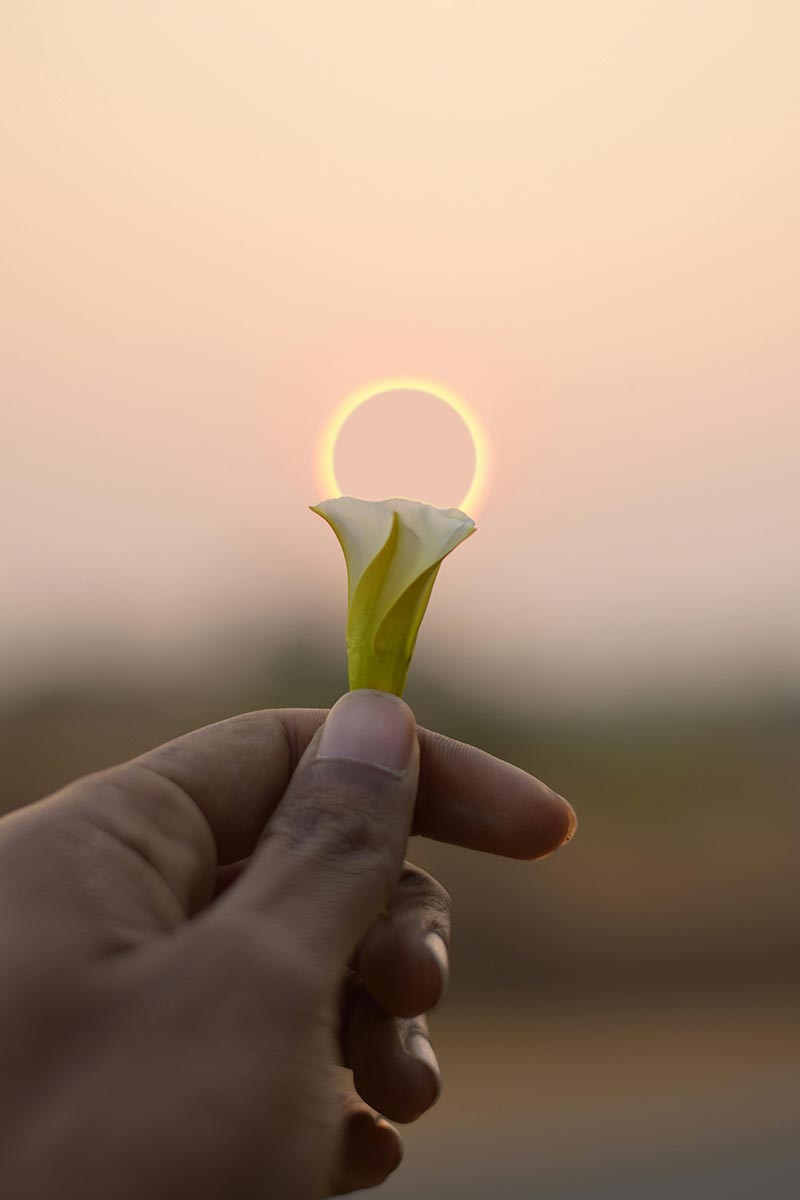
(218, 221)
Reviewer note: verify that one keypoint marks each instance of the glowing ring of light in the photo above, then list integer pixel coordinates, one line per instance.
(330, 434)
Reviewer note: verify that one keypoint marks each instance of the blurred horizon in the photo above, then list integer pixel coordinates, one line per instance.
(107, 659)
(665, 797)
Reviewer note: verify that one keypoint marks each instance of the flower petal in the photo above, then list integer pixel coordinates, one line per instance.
(363, 528)
(393, 550)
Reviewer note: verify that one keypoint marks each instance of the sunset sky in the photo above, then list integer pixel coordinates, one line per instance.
(221, 219)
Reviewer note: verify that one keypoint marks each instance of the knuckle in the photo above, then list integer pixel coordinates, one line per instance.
(419, 890)
(344, 828)
(415, 1027)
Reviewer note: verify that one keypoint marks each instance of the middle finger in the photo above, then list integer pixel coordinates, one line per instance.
(403, 959)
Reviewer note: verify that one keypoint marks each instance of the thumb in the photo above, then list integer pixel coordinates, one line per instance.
(334, 848)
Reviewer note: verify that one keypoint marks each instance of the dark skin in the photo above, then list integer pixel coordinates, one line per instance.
(197, 942)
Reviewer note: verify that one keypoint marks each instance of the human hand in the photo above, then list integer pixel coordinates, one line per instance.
(193, 942)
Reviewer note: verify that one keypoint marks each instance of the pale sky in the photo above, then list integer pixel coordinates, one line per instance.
(220, 219)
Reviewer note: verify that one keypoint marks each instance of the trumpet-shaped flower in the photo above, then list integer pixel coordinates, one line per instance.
(393, 550)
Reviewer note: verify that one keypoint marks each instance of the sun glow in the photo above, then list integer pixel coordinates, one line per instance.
(330, 434)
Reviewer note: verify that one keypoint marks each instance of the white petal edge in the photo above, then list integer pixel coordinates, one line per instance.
(426, 535)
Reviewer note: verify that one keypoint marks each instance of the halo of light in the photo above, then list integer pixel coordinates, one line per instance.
(330, 434)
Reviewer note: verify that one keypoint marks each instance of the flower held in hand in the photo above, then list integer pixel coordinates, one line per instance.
(393, 550)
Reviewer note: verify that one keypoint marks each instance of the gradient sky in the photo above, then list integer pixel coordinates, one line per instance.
(220, 219)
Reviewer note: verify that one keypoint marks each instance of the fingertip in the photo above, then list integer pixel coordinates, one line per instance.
(404, 971)
(470, 798)
(440, 955)
(371, 727)
(538, 821)
(573, 822)
(372, 1150)
(556, 824)
(394, 1067)
(392, 1145)
(428, 1083)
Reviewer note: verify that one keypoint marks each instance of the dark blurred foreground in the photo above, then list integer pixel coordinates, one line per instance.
(623, 1018)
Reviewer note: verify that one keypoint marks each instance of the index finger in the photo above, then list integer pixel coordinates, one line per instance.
(470, 798)
(237, 771)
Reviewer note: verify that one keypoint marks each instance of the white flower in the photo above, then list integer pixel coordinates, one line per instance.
(393, 550)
